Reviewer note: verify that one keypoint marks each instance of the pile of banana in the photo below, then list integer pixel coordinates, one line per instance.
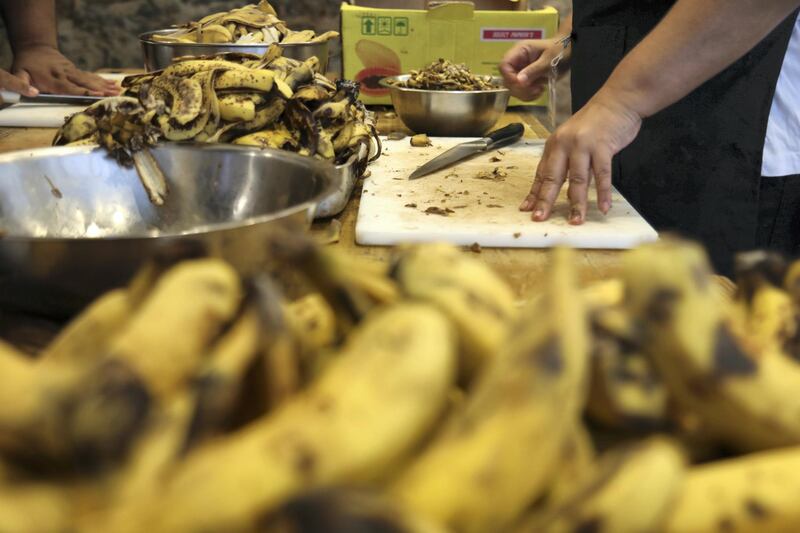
(269, 101)
(251, 24)
(335, 396)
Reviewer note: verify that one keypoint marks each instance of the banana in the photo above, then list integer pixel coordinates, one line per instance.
(87, 337)
(303, 74)
(312, 322)
(238, 107)
(267, 115)
(471, 478)
(299, 37)
(312, 93)
(631, 491)
(214, 34)
(325, 145)
(194, 66)
(77, 127)
(332, 110)
(175, 129)
(276, 138)
(752, 493)
(165, 339)
(33, 508)
(257, 80)
(340, 511)
(403, 359)
(476, 299)
(744, 399)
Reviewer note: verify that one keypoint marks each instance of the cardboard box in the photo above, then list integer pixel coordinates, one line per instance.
(491, 5)
(384, 42)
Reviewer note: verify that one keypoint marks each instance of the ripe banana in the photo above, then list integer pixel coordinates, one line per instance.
(256, 80)
(467, 290)
(631, 491)
(31, 508)
(86, 339)
(746, 400)
(166, 339)
(751, 493)
(403, 359)
(312, 322)
(520, 412)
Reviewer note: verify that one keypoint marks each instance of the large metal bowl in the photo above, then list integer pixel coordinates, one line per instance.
(75, 224)
(448, 113)
(158, 55)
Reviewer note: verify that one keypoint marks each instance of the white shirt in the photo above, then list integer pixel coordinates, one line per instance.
(782, 145)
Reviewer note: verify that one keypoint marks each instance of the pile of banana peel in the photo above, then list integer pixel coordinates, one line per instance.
(251, 24)
(267, 101)
(416, 396)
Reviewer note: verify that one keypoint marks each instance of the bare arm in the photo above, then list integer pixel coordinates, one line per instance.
(30, 23)
(37, 61)
(695, 41)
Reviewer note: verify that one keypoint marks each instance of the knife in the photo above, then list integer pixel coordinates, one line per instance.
(9, 97)
(494, 140)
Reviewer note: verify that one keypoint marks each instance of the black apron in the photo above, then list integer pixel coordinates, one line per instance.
(695, 168)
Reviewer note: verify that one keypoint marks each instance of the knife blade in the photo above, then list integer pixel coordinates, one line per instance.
(494, 140)
(9, 97)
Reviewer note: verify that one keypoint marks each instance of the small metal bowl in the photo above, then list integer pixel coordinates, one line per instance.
(74, 223)
(448, 113)
(158, 55)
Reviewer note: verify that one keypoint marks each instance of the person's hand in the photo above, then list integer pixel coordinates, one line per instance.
(15, 84)
(45, 68)
(579, 151)
(526, 66)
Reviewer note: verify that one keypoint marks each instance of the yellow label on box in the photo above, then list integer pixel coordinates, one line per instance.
(385, 42)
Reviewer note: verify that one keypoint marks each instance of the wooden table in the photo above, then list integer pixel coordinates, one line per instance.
(523, 268)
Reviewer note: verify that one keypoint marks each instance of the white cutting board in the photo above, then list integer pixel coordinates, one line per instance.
(484, 211)
(43, 115)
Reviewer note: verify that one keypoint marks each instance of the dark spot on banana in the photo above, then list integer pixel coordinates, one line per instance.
(756, 509)
(725, 525)
(729, 359)
(305, 462)
(589, 525)
(754, 269)
(325, 404)
(661, 306)
(106, 415)
(701, 277)
(548, 357)
(332, 511)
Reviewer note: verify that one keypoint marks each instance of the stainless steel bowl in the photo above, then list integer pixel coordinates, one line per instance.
(74, 223)
(448, 113)
(158, 55)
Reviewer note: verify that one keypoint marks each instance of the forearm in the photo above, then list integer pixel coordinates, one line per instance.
(30, 23)
(695, 41)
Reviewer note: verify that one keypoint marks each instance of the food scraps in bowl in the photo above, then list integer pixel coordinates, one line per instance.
(443, 75)
(251, 24)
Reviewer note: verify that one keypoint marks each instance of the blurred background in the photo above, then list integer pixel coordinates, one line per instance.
(103, 33)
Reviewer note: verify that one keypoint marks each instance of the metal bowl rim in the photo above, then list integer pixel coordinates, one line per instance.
(385, 83)
(147, 38)
(321, 167)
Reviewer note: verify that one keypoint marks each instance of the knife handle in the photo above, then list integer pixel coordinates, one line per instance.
(505, 136)
(8, 97)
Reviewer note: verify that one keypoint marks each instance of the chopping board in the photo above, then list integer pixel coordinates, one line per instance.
(43, 115)
(477, 201)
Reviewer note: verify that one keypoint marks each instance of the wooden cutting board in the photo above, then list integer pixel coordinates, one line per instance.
(476, 202)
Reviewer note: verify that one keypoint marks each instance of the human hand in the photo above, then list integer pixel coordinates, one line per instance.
(9, 82)
(579, 151)
(526, 66)
(49, 71)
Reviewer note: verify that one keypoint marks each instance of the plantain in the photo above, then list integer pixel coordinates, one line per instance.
(34, 507)
(631, 491)
(520, 412)
(337, 431)
(257, 80)
(476, 299)
(754, 492)
(164, 341)
(710, 373)
(87, 337)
